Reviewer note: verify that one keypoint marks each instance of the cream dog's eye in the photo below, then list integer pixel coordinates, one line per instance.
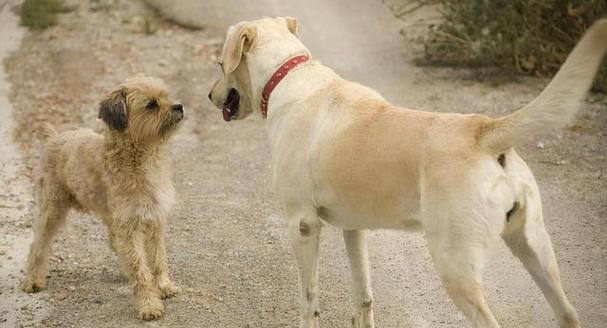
(152, 104)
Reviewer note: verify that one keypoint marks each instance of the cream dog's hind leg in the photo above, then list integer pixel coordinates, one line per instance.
(531, 244)
(460, 266)
(529, 241)
(356, 246)
(305, 237)
(461, 232)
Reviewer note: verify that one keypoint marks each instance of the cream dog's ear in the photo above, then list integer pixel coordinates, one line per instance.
(238, 41)
(112, 110)
(292, 25)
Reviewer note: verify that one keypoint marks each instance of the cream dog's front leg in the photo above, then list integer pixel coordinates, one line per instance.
(356, 246)
(305, 236)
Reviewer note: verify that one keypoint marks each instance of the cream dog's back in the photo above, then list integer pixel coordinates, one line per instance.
(356, 137)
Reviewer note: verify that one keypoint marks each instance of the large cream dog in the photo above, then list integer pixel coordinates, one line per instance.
(343, 155)
(124, 177)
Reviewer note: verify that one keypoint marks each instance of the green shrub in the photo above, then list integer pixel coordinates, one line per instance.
(530, 36)
(40, 14)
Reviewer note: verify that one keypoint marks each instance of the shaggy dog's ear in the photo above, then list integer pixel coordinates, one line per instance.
(112, 110)
(238, 41)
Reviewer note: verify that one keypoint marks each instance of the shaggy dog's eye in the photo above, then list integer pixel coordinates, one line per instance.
(152, 104)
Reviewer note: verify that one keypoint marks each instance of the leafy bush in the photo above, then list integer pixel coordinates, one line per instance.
(530, 36)
(40, 14)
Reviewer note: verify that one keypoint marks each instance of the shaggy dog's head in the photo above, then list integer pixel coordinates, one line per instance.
(141, 110)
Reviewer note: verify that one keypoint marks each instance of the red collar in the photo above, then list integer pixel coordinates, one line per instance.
(280, 73)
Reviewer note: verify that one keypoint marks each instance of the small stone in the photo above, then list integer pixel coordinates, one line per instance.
(540, 145)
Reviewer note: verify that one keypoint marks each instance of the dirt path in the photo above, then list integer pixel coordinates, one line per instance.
(15, 197)
(227, 244)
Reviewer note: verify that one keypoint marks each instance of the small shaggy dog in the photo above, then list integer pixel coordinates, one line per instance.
(122, 176)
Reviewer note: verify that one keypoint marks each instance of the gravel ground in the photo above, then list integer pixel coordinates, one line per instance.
(226, 240)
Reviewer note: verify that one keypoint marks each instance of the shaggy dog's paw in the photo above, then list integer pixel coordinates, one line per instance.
(32, 285)
(151, 310)
(169, 290)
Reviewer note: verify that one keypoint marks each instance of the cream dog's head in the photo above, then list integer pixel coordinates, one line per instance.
(140, 110)
(250, 54)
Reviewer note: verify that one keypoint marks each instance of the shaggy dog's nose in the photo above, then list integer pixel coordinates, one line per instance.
(210, 92)
(178, 108)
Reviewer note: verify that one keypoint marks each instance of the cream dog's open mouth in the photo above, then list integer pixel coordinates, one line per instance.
(231, 105)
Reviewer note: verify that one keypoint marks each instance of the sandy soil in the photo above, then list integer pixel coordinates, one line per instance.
(227, 243)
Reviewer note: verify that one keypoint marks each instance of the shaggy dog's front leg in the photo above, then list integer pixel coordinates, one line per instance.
(157, 259)
(129, 243)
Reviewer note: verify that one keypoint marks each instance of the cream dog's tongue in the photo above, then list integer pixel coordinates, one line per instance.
(227, 115)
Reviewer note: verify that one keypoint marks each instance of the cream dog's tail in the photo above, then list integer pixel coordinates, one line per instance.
(558, 102)
(47, 130)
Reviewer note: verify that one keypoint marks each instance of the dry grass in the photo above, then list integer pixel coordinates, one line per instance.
(40, 14)
(525, 36)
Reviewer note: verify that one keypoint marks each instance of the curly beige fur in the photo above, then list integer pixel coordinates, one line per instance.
(124, 177)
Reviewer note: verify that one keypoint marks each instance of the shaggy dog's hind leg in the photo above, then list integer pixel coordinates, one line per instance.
(53, 206)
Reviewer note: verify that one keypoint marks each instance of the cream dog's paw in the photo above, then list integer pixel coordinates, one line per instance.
(363, 319)
(309, 322)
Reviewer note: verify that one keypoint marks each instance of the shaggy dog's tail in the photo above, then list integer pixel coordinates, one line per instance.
(558, 103)
(47, 130)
